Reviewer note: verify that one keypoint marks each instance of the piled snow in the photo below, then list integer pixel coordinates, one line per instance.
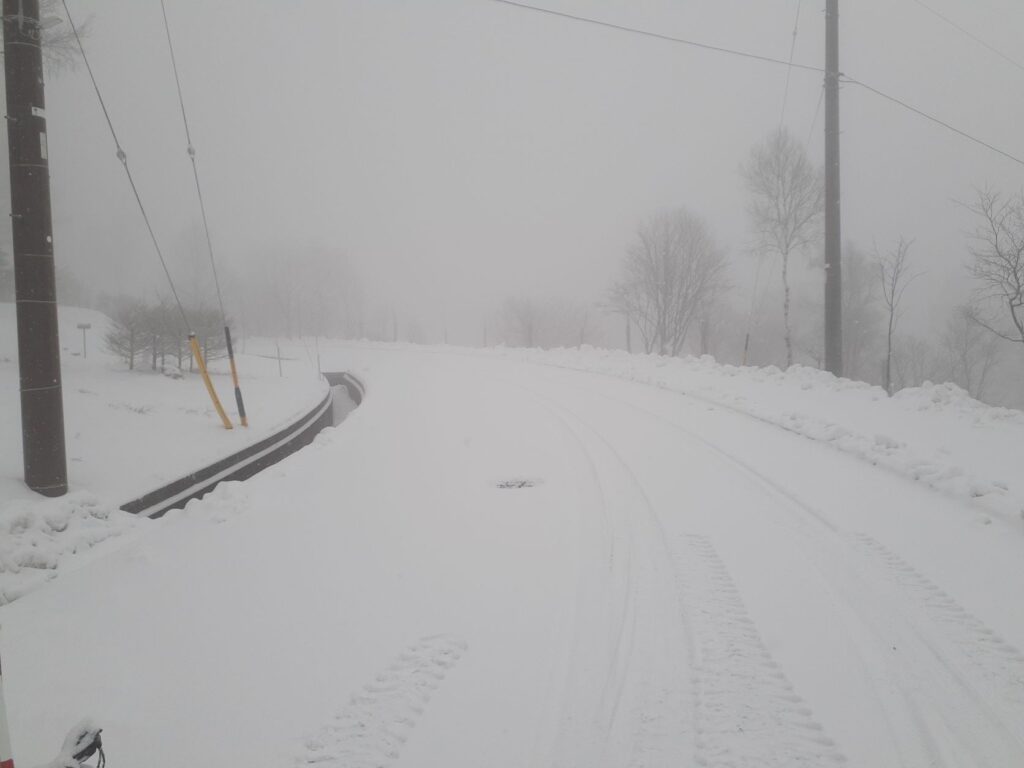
(39, 537)
(685, 585)
(935, 434)
(126, 432)
(948, 397)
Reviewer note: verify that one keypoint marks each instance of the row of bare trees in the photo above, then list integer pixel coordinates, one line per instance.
(156, 332)
(546, 323)
(307, 292)
(785, 211)
(673, 279)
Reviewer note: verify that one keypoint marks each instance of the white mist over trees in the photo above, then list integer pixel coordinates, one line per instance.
(547, 323)
(786, 206)
(487, 191)
(672, 272)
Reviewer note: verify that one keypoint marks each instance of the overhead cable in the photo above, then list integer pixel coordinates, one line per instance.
(123, 157)
(659, 36)
(765, 59)
(789, 68)
(969, 34)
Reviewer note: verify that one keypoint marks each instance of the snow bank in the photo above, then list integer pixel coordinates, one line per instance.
(935, 434)
(38, 537)
(126, 433)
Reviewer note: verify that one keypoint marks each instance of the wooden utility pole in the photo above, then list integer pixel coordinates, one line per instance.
(833, 236)
(42, 402)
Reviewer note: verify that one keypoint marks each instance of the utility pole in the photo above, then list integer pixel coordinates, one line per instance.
(833, 236)
(42, 403)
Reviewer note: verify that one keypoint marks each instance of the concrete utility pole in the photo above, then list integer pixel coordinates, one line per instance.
(833, 237)
(42, 404)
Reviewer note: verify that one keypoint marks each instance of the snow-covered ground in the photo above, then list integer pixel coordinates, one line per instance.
(935, 434)
(126, 433)
(498, 560)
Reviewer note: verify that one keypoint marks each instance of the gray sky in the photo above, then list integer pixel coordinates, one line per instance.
(462, 151)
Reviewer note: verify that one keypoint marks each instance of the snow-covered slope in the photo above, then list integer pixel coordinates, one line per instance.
(499, 563)
(126, 433)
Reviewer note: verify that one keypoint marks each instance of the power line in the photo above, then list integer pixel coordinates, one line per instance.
(931, 118)
(659, 36)
(209, 240)
(123, 157)
(969, 34)
(789, 69)
(195, 171)
(767, 59)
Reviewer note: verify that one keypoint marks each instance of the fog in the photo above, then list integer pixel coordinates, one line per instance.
(436, 158)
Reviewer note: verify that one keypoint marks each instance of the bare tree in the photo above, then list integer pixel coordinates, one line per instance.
(519, 321)
(916, 364)
(672, 268)
(710, 314)
(786, 193)
(208, 327)
(304, 291)
(137, 328)
(545, 323)
(862, 320)
(59, 44)
(125, 334)
(998, 266)
(968, 353)
(893, 275)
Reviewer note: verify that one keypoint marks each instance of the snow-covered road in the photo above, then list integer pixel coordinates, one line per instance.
(495, 563)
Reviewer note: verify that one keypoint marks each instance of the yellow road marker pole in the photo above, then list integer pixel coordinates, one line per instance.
(198, 355)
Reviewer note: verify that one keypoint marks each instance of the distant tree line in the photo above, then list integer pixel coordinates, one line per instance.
(674, 295)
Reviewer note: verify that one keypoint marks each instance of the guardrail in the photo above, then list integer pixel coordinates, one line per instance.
(355, 388)
(250, 460)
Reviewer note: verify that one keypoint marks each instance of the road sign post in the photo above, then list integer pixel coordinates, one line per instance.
(83, 327)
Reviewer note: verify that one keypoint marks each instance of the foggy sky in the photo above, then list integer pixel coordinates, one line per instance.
(461, 151)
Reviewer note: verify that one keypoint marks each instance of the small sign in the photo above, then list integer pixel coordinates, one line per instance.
(42, 146)
(85, 326)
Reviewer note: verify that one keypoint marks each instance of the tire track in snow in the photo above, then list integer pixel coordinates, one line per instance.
(996, 661)
(986, 736)
(747, 713)
(621, 586)
(658, 714)
(373, 729)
